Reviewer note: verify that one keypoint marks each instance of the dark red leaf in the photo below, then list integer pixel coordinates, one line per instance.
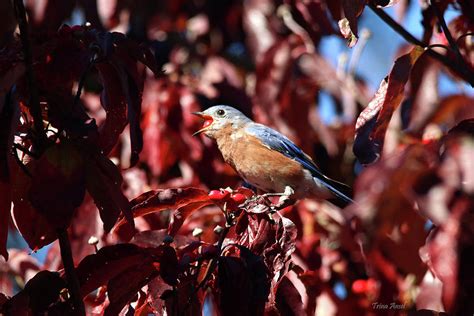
(110, 261)
(244, 284)
(124, 287)
(183, 301)
(103, 182)
(9, 117)
(443, 258)
(182, 201)
(235, 288)
(288, 300)
(33, 226)
(114, 103)
(39, 294)
(372, 123)
(168, 265)
(86, 223)
(182, 213)
(123, 88)
(133, 97)
(62, 167)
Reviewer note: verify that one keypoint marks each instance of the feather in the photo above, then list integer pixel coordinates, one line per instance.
(278, 142)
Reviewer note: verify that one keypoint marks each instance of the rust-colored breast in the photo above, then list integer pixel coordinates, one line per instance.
(259, 165)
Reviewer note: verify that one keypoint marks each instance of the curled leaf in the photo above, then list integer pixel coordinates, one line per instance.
(372, 123)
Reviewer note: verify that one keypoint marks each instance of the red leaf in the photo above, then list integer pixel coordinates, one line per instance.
(124, 287)
(39, 294)
(288, 299)
(123, 86)
(244, 284)
(168, 264)
(110, 261)
(33, 226)
(9, 119)
(443, 258)
(62, 167)
(114, 103)
(182, 201)
(103, 182)
(372, 123)
(182, 213)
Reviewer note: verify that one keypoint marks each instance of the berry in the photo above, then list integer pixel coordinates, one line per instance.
(238, 198)
(218, 195)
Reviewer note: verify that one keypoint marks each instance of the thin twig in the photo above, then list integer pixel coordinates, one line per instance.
(80, 85)
(25, 150)
(30, 76)
(20, 163)
(463, 72)
(72, 280)
(447, 33)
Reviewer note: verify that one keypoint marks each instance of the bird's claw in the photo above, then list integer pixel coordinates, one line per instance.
(264, 199)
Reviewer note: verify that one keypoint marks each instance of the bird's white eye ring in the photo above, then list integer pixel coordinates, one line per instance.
(220, 112)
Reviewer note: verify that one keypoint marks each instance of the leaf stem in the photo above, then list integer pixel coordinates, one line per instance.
(463, 72)
(80, 84)
(72, 280)
(30, 76)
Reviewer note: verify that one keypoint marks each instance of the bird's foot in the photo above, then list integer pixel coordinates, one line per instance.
(264, 199)
(284, 200)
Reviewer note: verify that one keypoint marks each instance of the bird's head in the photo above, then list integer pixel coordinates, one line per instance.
(219, 117)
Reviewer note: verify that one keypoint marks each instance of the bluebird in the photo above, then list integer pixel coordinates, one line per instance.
(265, 158)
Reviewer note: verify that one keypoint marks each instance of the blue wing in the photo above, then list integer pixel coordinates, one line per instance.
(276, 141)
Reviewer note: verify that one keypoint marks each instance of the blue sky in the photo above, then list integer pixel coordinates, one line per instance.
(379, 54)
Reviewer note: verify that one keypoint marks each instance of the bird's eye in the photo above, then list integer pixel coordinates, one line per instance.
(220, 112)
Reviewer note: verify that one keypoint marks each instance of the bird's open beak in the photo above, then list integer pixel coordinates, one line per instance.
(207, 122)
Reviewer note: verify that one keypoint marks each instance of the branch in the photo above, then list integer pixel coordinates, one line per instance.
(447, 33)
(462, 72)
(72, 280)
(30, 76)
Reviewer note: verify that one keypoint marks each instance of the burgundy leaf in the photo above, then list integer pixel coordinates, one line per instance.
(443, 258)
(168, 264)
(103, 182)
(124, 287)
(62, 167)
(110, 261)
(182, 201)
(39, 294)
(288, 300)
(114, 103)
(244, 284)
(9, 117)
(33, 226)
(182, 213)
(372, 123)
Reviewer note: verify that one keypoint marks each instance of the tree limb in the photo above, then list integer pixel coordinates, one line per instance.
(463, 72)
